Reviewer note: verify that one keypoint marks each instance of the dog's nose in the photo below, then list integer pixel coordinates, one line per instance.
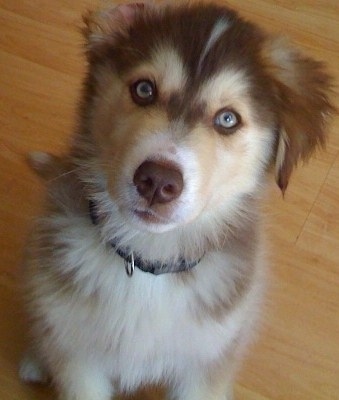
(158, 183)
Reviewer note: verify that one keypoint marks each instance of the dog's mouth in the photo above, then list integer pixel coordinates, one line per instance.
(150, 217)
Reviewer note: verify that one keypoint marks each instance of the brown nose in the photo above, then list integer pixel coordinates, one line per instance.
(158, 183)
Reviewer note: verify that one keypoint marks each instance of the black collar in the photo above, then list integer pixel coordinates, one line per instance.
(133, 260)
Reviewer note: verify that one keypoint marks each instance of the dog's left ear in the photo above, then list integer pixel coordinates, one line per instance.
(302, 90)
(103, 25)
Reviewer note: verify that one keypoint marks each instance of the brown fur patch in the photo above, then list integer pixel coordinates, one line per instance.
(303, 90)
(239, 46)
(296, 88)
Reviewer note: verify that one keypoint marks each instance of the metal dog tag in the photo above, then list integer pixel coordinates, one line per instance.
(130, 266)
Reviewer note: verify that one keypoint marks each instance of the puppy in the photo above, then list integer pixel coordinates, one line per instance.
(147, 266)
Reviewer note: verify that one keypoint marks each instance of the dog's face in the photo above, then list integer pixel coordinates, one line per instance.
(190, 106)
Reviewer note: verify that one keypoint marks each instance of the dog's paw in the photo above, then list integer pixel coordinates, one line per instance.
(32, 371)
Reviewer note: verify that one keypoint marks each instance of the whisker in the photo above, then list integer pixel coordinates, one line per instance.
(64, 174)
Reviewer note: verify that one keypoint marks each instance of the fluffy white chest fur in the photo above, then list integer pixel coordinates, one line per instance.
(147, 328)
(144, 329)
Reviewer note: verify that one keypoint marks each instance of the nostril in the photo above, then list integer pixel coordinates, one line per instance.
(144, 185)
(170, 189)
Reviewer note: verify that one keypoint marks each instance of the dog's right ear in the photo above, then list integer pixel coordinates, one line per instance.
(103, 26)
(303, 91)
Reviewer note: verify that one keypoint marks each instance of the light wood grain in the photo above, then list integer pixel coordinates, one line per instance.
(297, 354)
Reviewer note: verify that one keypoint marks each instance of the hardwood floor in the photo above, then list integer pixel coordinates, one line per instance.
(41, 66)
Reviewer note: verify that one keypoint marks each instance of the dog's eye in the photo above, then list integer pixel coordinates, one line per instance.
(143, 92)
(227, 121)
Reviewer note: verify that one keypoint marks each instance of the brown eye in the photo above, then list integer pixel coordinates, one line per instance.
(227, 121)
(143, 92)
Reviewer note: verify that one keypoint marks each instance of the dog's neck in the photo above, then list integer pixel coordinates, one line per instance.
(133, 260)
(180, 249)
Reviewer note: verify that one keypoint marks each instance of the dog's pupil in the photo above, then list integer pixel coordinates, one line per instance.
(229, 118)
(145, 90)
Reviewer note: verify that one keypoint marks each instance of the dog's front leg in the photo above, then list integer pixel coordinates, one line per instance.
(79, 380)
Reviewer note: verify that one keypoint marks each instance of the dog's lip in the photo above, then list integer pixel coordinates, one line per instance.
(150, 217)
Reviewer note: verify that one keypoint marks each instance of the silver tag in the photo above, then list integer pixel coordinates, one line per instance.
(129, 266)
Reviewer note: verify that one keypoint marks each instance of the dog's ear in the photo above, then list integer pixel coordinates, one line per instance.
(302, 90)
(103, 25)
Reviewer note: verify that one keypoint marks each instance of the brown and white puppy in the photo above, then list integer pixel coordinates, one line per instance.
(185, 110)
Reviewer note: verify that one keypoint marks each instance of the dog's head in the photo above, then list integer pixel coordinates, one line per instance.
(188, 106)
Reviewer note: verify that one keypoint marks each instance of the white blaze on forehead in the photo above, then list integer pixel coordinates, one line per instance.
(228, 87)
(219, 28)
(169, 68)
